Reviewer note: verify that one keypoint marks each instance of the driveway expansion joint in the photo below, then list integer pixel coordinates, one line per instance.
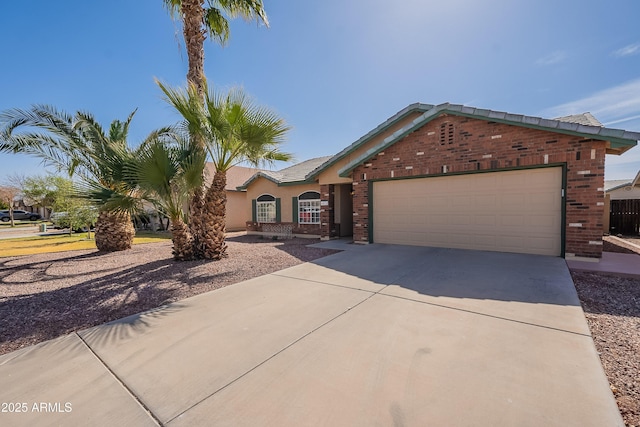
(329, 284)
(488, 315)
(279, 351)
(119, 381)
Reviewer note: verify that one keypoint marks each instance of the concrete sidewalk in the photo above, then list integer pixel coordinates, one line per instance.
(378, 335)
(612, 263)
(30, 231)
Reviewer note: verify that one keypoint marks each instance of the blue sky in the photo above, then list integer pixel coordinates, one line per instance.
(333, 69)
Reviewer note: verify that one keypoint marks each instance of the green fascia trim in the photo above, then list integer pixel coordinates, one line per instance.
(372, 134)
(622, 144)
(257, 175)
(291, 183)
(563, 223)
(278, 183)
(616, 142)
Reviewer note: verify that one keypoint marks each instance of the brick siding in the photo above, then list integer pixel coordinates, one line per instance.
(311, 229)
(453, 144)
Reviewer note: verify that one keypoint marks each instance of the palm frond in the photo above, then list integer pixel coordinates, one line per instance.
(232, 126)
(247, 9)
(217, 25)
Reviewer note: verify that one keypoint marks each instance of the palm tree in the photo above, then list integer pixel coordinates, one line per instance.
(198, 22)
(235, 130)
(168, 171)
(78, 145)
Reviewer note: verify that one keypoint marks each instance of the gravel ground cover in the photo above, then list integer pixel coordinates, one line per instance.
(48, 295)
(612, 308)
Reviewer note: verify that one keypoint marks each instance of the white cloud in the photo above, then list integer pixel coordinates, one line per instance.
(619, 106)
(551, 59)
(631, 49)
(613, 105)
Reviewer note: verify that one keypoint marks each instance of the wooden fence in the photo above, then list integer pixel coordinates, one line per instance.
(625, 217)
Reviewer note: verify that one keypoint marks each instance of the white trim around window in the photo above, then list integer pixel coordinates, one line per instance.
(266, 208)
(309, 208)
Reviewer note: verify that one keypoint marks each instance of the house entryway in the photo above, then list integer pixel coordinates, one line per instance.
(343, 209)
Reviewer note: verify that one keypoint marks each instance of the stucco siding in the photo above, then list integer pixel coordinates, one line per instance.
(237, 210)
(622, 194)
(330, 175)
(285, 193)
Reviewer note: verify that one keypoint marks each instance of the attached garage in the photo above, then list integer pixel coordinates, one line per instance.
(511, 211)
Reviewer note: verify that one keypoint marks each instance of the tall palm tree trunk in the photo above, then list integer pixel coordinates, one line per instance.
(196, 209)
(213, 245)
(182, 240)
(194, 36)
(114, 231)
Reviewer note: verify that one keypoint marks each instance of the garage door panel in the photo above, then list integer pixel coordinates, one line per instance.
(435, 219)
(514, 211)
(417, 219)
(544, 221)
(511, 221)
(489, 220)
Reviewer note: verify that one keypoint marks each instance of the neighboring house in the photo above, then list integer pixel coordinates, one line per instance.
(625, 189)
(26, 205)
(457, 177)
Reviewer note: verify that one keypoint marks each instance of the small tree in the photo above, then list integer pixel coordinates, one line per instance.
(7, 194)
(43, 191)
(78, 211)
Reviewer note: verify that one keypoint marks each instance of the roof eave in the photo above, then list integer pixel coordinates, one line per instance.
(368, 136)
(300, 182)
(617, 145)
(255, 177)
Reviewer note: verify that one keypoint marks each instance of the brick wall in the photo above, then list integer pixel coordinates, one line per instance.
(284, 228)
(327, 217)
(453, 144)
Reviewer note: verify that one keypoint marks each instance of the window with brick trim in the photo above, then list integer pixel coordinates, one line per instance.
(266, 208)
(309, 208)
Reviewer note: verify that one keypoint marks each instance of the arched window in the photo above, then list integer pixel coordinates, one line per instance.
(309, 208)
(266, 208)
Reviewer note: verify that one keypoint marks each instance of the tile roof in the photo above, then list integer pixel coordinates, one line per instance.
(586, 119)
(616, 183)
(299, 171)
(236, 175)
(292, 174)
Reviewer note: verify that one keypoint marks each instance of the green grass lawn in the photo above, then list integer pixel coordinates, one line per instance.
(64, 242)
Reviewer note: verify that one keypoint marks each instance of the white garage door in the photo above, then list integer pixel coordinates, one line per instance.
(515, 211)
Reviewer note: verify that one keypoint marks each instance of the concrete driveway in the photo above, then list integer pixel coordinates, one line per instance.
(376, 335)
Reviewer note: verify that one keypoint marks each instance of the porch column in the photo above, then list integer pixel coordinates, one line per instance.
(327, 218)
